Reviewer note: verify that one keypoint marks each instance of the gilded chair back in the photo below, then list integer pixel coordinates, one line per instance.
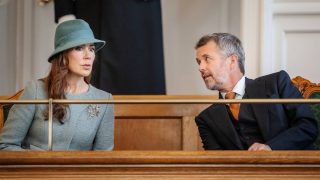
(312, 91)
(5, 108)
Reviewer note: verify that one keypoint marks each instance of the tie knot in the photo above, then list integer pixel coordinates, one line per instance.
(230, 95)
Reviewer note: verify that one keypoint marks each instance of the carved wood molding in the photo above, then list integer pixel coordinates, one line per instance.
(160, 165)
(13, 97)
(305, 86)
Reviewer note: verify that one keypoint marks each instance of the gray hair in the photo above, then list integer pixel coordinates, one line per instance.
(228, 44)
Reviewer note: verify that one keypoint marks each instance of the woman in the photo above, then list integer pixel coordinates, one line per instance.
(75, 127)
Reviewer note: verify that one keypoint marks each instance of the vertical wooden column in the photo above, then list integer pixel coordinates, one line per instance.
(190, 136)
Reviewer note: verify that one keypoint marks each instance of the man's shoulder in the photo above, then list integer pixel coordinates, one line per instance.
(274, 76)
(205, 111)
(213, 110)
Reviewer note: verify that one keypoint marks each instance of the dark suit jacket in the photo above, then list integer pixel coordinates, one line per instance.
(283, 126)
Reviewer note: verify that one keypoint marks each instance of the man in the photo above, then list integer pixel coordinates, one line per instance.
(254, 127)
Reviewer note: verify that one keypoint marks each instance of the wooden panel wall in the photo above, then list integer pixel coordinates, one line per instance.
(148, 134)
(158, 126)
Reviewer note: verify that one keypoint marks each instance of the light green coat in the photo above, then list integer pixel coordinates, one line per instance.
(86, 127)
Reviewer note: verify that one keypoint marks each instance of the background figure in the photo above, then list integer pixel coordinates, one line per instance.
(252, 127)
(133, 62)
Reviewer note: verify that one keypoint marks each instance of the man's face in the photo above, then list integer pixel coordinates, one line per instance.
(214, 68)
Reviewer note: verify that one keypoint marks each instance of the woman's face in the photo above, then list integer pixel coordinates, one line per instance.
(81, 60)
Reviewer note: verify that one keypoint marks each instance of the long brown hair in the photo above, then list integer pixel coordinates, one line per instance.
(56, 84)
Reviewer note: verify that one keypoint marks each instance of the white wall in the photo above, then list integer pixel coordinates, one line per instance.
(44, 39)
(292, 38)
(35, 31)
(7, 46)
(184, 22)
(26, 41)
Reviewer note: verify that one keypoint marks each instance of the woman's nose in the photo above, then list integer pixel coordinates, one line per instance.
(88, 53)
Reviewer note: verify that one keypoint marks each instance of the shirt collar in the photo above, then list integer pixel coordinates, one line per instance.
(239, 89)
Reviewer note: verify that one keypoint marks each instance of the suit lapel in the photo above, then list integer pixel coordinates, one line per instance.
(223, 123)
(256, 90)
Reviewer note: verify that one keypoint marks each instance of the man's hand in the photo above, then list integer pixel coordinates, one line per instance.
(259, 147)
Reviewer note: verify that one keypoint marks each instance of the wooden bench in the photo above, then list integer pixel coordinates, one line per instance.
(160, 165)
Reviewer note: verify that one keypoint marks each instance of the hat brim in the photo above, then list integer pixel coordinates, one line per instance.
(98, 45)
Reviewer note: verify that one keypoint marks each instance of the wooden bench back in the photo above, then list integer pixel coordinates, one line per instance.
(158, 126)
(152, 126)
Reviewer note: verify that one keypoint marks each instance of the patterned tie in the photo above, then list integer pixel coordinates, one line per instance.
(234, 107)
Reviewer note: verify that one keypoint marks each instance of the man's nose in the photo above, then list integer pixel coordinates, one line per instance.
(201, 66)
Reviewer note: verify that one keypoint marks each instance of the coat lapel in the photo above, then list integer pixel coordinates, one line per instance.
(75, 111)
(257, 90)
(223, 123)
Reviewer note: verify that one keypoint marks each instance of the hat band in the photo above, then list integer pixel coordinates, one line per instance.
(83, 35)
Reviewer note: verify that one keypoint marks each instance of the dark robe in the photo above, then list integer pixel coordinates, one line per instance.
(132, 60)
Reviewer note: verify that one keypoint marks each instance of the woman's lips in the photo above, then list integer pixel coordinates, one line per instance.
(86, 66)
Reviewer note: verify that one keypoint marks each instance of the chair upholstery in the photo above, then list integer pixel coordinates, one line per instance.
(312, 91)
(5, 108)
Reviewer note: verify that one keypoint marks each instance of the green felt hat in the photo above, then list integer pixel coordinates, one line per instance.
(73, 33)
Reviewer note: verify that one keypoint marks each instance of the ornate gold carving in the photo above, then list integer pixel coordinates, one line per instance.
(305, 86)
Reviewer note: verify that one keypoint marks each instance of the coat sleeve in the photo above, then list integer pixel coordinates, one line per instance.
(208, 140)
(19, 121)
(302, 126)
(104, 139)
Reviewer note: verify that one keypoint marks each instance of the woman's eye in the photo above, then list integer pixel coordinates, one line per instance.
(78, 48)
(92, 49)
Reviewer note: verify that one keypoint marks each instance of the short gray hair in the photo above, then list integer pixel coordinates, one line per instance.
(228, 44)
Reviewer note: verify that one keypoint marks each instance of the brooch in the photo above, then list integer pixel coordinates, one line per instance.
(93, 110)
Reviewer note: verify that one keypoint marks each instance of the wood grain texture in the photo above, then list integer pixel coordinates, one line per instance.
(148, 134)
(158, 126)
(161, 165)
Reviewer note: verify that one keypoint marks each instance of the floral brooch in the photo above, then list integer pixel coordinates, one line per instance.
(93, 110)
